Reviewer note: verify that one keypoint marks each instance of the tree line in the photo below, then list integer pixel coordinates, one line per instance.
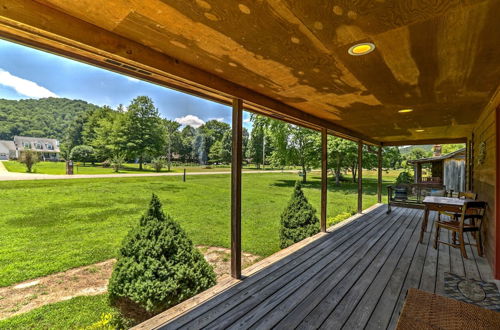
(138, 133)
(44, 118)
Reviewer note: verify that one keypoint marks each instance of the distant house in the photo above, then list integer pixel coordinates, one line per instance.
(7, 150)
(47, 149)
(448, 169)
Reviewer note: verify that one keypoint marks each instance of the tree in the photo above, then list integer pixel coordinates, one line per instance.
(186, 143)
(449, 148)
(143, 129)
(29, 158)
(255, 145)
(199, 148)
(391, 157)
(207, 134)
(226, 147)
(158, 267)
(215, 129)
(158, 163)
(342, 155)
(172, 138)
(45, 117)
(258, 144)
(298, 220)
(303, 148)
(92, 122)
(418, 153)
(110, 136)
(83, 154)
(215, 152)
(117, 161)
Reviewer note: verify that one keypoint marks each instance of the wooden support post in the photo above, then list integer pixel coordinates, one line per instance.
(496, 206)
(324, 177)
(237, 157)
(379, 181)
(360, 176)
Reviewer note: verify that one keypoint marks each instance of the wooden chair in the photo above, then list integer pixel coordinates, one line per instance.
(455, 216)
(471, 210)
(465, 195)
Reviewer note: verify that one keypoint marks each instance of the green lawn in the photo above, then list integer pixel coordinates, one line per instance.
(60, 168)
(53, 225)
(76, 313)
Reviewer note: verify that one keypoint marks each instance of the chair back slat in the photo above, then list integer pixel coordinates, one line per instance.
(477, 207)
(467, 195)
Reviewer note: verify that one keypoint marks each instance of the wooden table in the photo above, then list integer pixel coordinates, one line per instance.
(434, 203)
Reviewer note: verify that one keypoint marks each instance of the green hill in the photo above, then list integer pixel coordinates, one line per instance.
(47, 117)
(407, 149)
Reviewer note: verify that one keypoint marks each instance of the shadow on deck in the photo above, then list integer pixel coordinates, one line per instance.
(355, 276)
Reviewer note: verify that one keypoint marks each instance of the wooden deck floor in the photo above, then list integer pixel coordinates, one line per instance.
(354, 277)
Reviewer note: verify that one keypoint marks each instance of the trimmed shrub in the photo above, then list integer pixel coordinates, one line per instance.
(158, 267)
(404, 177)
(298, 220)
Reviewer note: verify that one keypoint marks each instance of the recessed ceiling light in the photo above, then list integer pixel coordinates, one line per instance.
(405, 110)
(361, 49)
(419, 130)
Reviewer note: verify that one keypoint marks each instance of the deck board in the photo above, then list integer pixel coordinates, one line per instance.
(354, 277)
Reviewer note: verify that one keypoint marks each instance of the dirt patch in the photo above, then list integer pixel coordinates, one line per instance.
(87, 281)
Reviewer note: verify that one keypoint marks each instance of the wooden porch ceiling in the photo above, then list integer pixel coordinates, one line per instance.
(440, 58)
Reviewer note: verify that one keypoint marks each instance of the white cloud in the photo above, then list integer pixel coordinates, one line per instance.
(246, 120)
(23, 86)
(132, 79)
(190, 120)
(218, 119)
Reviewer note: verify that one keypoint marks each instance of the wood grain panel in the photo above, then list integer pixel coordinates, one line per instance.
(438, 57)
(484, 175)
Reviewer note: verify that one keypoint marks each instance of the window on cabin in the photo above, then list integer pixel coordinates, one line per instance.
(49, 146)
(27, 145)
(38, 145)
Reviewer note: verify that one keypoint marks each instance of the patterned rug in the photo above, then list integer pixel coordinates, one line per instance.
(482, 294)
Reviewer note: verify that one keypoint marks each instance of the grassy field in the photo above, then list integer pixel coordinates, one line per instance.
(51, 225)
(76, 313)
(54, 225)
(59, 168)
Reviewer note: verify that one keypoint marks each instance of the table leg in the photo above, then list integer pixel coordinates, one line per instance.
(424, 223)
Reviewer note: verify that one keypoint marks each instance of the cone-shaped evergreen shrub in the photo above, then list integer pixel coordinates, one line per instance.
(158, 267)
(298, 220)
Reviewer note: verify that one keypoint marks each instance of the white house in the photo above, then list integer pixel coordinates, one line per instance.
(47, 149)
(7, 150)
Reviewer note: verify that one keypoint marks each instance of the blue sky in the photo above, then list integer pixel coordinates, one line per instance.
(30, 73)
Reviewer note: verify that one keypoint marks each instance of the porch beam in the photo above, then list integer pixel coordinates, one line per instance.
(360, 176)
(324, 177)
(422, 142)
(56, 32)
(237, 157)
(379, 181)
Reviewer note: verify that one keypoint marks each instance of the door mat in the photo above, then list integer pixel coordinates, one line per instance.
(482, 294)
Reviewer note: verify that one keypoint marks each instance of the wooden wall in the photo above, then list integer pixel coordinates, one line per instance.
(485, 132)
(454, 174)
